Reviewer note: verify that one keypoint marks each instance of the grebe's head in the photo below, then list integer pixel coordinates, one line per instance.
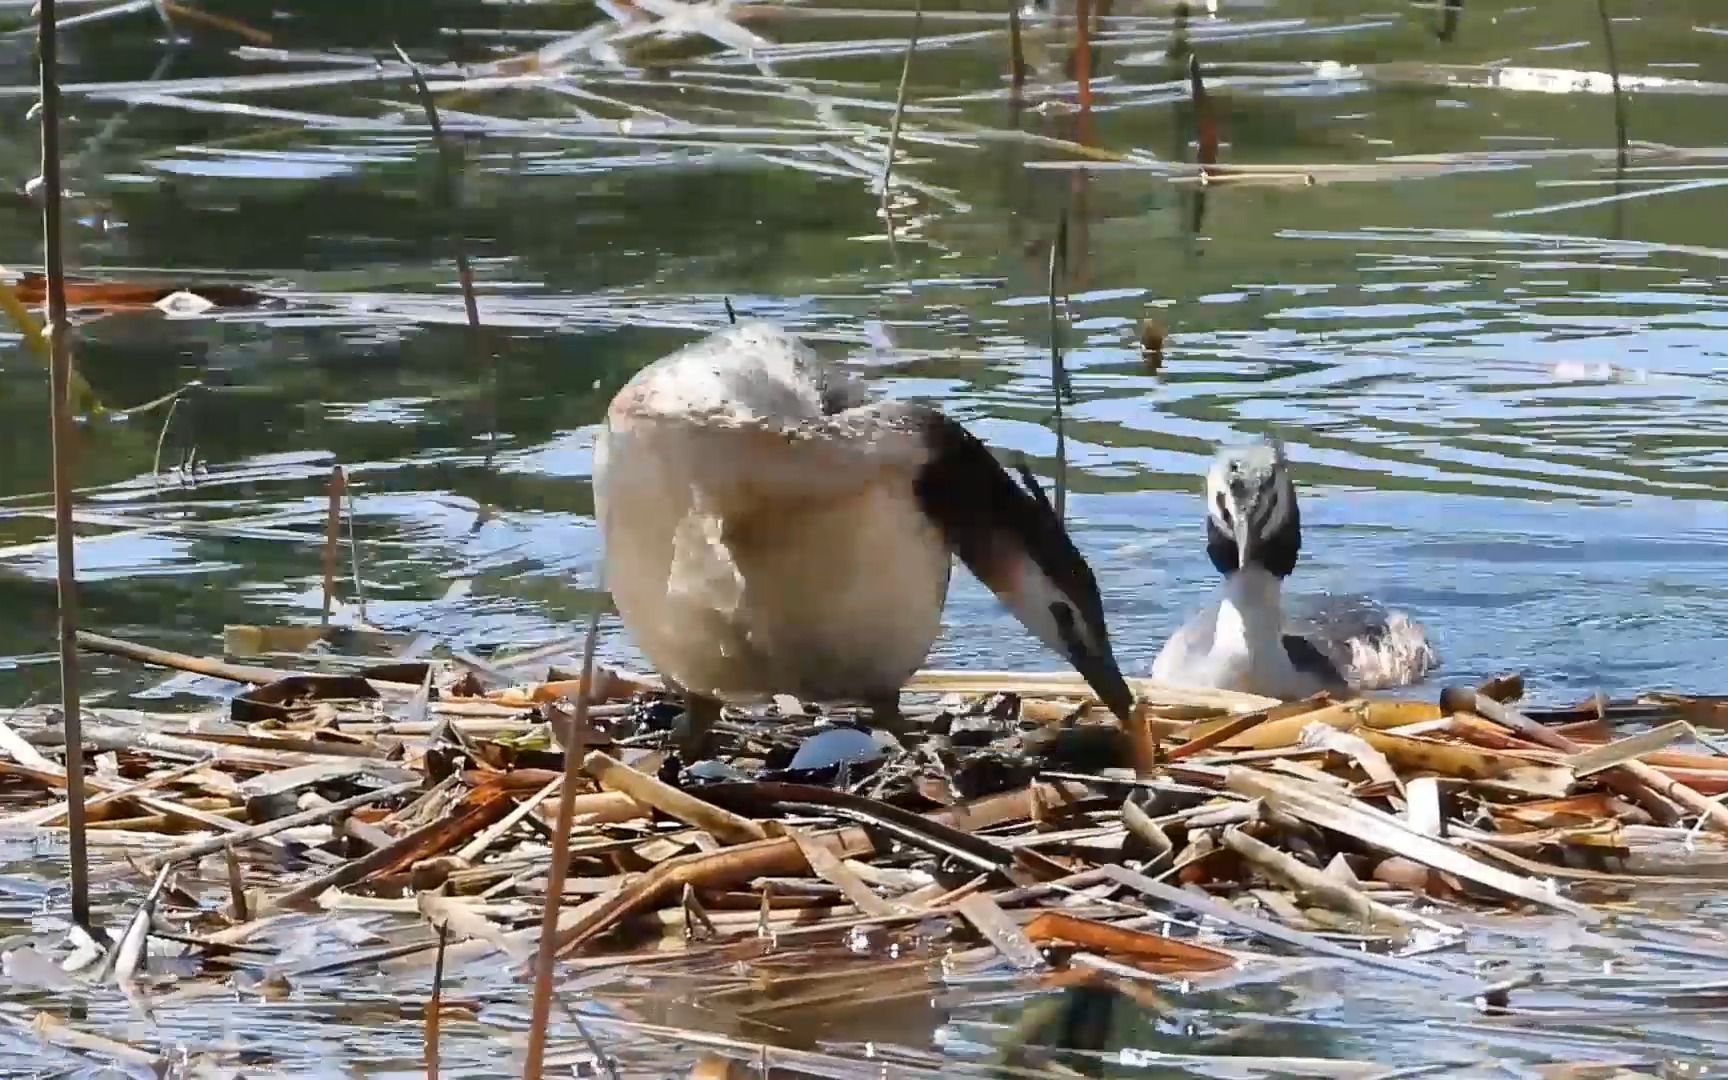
(1251, 513)
(1008, 534)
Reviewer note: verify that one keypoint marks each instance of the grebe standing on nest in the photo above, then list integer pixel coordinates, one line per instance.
(771, 528)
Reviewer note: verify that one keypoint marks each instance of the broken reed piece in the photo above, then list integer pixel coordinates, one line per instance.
(723, 825)
(900, 111)
(208, 845)
(1219, 734)
(435, 1005)
(1504, 688)
(1145, 741)
(1311, 803)
(1316, 885)
(1153, 952)
(478, 809)
(1634, 778)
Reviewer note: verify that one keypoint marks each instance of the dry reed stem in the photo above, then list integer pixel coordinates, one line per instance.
(900, 110)
(162, 437)
(354, 553)
(994, 925)
(238, 909)
(435, 1004)
(1059, 374)
(1304, 880)
(60, 406)
(832, 869)
(1083, 56)
(447, 189)
(1309, 802)
(547, 953)
(1620, 143)
(1205, 123)
(332, 541)
(220, 22)
(723, 825)
(1642, 777)
(200, 848)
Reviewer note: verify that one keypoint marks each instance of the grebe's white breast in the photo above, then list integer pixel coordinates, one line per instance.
(1237, 642)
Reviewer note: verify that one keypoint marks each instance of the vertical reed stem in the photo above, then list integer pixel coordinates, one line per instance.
(541, 1007)
(1614, 76)
(332, 542)
(1083, 54)
(60, 407)
(1059, 373)
(900, 107)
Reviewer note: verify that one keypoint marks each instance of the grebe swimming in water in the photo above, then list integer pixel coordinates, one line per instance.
(1240, 641)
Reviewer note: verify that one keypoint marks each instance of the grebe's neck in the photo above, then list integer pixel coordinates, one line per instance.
(1252, 608)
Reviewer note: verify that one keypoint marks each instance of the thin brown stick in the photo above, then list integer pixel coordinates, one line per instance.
(161, 438)
(354, 553)
(1614, 80)
(236, 889)
(547, 955)
(187, 13)
(453, 206)
(1016, 51)
(1083, 54)
(59, 378)
(198, 665)
(435, 1004)
(332, 540)
(1059, 373)
(900, 109)
(1205, 122)
(447, 189)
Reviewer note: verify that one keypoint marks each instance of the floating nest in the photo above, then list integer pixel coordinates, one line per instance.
(811, 867)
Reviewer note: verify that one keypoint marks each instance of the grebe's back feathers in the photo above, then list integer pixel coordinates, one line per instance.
(1371, 646)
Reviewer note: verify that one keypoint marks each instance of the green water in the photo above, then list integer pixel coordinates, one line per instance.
(1495, 355)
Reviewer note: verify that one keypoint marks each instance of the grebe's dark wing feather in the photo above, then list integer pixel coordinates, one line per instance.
(1305, 657)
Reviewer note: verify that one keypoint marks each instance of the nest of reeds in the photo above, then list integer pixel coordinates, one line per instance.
(1020, 830)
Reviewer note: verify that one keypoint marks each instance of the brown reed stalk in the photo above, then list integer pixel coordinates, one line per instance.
(60, 410)
(547, 955)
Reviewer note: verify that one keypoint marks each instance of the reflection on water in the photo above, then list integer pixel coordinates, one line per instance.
(1496, 356)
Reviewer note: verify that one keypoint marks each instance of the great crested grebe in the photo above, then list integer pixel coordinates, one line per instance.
(769, 527)
(1239, 642)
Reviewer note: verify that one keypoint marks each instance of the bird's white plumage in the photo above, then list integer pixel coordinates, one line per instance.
(1237, 643)
(760, 529)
